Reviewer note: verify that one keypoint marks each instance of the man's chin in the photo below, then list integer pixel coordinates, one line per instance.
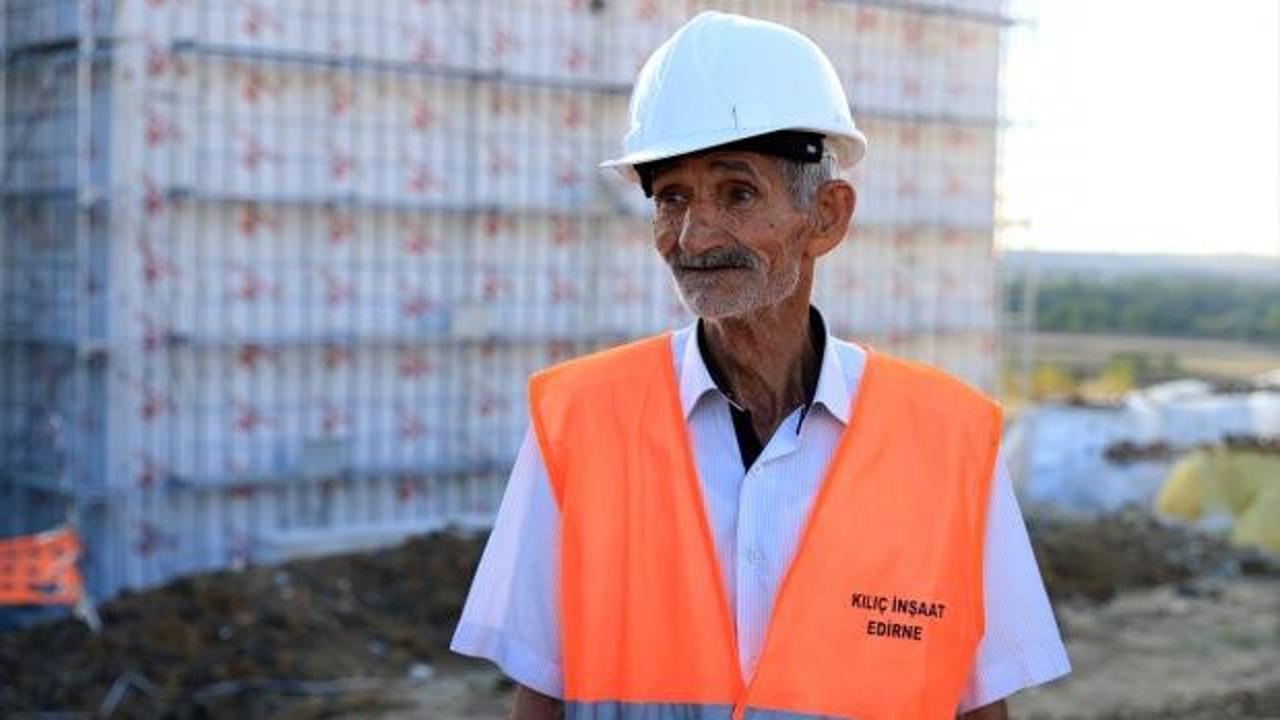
(710, 307)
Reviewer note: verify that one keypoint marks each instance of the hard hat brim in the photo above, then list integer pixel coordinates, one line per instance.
(848, 146)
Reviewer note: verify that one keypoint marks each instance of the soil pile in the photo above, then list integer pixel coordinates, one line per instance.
(1124, 452)
(1095, 558)
(245, 644)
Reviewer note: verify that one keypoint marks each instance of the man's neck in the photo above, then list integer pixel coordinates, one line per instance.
(767, 360)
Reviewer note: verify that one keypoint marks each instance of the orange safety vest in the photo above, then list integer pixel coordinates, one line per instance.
(880, 613)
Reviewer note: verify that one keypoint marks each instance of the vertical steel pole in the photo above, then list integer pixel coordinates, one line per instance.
(86, 198)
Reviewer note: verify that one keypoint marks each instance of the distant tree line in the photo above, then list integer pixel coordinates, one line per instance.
(1225, 308)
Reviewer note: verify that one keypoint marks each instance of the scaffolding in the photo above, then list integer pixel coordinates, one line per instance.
(275, 271)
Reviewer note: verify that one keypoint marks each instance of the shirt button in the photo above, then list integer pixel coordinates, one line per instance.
(755, 556)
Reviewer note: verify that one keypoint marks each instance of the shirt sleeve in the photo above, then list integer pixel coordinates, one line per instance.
(512, 613)
(1021, 647)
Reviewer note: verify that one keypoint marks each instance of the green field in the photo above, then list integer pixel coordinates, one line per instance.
(1211, 359)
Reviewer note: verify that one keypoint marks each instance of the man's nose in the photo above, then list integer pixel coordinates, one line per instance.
(698, 233)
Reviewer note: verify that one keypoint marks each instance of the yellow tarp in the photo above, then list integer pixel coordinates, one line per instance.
(1242, 483)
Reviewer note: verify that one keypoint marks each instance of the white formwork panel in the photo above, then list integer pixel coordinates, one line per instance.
(296, 293)
(972, 77)
(969, 356)
(636, 29)
(34, 22)
(537, 147)
(497, 406)
(144, 536)
(895, 61)
(309, 144)
(993, 8)
(916, 282)
(867, 51)
(528, 274)
(206, 415)
(964, 274)
(930, 173)
(977, 359)
(887, 179)
(39, 269)
(923, 159)
(563, 41)
(851, 281)
(42, 117)
(965, 176)
(572, 42)
(870, 179)
(297, 130)
(45, 428)
(839, 286)
(947, 75)
(893, 71)
(829, 25)
(900, 310)
(273, 273)
(898, 60)
(403, 408)
(868, 76)
(904, 280)
(391, 139)
(521, 39)
(388, 29)
(638, 295)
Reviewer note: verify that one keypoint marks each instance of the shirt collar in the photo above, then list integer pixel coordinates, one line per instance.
(832, 391)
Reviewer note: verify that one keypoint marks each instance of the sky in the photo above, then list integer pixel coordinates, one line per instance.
(1145, 126)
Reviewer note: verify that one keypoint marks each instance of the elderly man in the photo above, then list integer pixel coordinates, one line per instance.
(749, 517)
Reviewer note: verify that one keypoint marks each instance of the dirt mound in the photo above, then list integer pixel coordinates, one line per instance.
(1198, 650)
(1261, 704)
(1253, 443)
(1124, 452)
(242, 644)
(1094, 558)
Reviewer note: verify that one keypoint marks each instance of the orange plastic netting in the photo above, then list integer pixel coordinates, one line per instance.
(40, 569)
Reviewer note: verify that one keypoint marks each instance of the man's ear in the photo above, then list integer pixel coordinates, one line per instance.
(832, 211)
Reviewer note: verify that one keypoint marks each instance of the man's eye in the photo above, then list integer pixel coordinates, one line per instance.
(741, 194)
(670, 197)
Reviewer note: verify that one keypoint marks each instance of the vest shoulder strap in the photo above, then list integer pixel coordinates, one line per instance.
(931, 390)
(621, 378)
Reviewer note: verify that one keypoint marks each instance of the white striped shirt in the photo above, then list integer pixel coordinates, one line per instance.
(512, 612)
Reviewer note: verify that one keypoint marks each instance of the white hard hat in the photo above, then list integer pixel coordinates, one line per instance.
(725, 78)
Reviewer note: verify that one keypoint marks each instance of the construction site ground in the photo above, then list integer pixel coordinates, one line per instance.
(1160, 622)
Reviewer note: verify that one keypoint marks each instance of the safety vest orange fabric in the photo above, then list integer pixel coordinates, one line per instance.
(881, 610)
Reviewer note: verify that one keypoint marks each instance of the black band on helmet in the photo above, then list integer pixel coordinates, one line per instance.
(794, 145)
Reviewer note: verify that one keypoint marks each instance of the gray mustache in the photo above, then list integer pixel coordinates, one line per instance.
(720, 258)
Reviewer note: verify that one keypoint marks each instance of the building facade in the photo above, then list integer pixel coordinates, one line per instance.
(274, 272)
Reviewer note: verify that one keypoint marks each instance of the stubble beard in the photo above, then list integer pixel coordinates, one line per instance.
(710, 296)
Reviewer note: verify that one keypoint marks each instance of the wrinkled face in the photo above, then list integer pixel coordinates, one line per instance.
(726, 226)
